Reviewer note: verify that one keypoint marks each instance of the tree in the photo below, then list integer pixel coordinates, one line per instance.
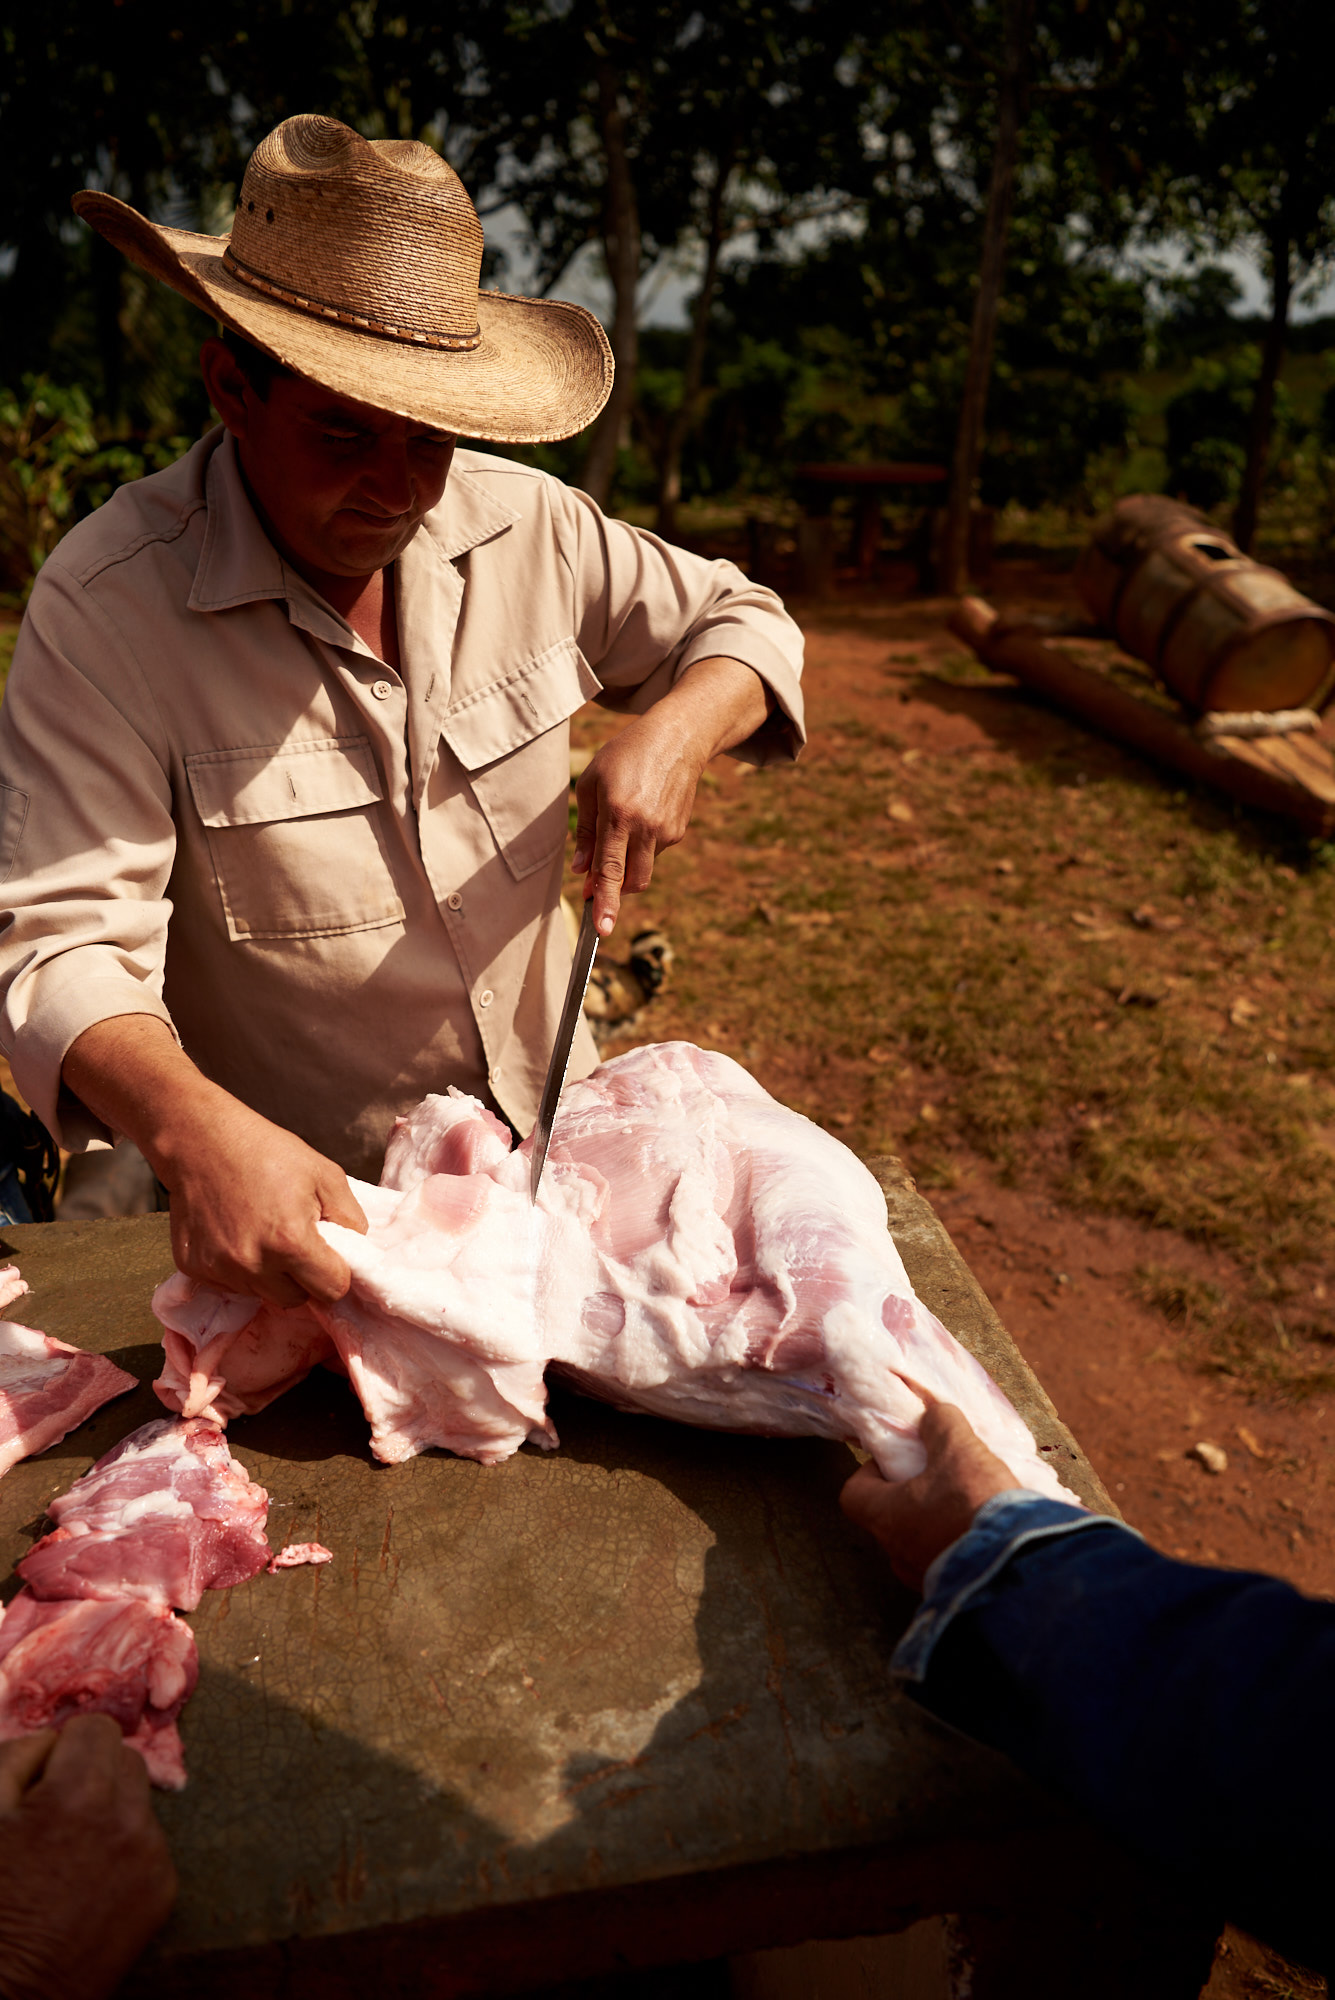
(1255, 161)
(1012, 92)
(646, 128)
(1078, 92)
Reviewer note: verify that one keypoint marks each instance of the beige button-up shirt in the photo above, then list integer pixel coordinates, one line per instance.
(338, 883)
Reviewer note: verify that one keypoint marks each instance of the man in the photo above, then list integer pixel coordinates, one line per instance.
(284, 752)
(1185, 1709)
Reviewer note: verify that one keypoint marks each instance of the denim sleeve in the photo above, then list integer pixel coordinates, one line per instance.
(1003, 1525)
(1190, 1712)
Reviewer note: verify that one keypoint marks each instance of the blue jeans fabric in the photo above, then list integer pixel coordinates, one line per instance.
(1190, 1712)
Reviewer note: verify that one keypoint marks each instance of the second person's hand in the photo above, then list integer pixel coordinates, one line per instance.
(915, 1520)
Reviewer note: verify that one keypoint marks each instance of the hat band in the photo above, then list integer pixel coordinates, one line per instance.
(320, 309)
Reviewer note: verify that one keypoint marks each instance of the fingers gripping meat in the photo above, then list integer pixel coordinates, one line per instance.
(132, 1661)
(85, 1876)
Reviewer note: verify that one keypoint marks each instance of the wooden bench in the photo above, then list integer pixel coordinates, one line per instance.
(816, 486)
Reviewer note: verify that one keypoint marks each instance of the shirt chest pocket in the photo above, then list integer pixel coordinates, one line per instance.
(511, 740)
(295, 833)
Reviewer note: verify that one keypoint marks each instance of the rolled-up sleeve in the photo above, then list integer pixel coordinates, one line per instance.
(86, 846)
(646, 611)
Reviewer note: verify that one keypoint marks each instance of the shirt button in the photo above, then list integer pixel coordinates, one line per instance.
(381, 690)
(454, 901)
(485, 999)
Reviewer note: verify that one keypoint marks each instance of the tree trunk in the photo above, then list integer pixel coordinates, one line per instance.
(1012, 85)
(622, 248)
(1262, 417)
(679, 427)
(106, 271)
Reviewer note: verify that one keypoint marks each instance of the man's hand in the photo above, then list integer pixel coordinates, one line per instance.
(915, 1520)
(246, 1195)
(636, 796)
(85, 1876)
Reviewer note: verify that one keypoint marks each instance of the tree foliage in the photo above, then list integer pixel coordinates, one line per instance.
(822, 172)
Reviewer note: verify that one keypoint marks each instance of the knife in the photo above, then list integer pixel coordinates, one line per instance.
(585, 947)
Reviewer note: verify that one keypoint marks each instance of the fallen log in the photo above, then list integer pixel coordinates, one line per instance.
(1293, 776)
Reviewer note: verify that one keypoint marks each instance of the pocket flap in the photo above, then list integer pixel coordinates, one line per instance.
(527, 703)
(276, 781)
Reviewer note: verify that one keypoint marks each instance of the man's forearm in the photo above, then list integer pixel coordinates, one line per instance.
(717, 703)
(247, 1196)
(130, 1072)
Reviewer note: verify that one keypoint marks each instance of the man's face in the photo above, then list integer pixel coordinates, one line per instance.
(342, 487)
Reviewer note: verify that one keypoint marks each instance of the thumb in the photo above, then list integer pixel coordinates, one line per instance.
(339, 1204)
(862, 1489)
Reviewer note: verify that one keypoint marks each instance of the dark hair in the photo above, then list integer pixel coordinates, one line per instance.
(260, 369)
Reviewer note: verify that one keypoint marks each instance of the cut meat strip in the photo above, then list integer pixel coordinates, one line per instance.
(698, 1252)
(126, 1659)
(297, 1553)
(165, 1516)
(47, 1388)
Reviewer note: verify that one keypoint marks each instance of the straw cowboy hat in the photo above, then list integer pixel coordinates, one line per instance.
(355, 263)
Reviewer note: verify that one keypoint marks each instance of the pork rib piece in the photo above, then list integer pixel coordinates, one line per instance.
(164, 1516)
(126, 1659)
(47, 1388)
(698, 1252)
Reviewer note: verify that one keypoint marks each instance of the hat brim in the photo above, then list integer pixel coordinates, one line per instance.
(542, 370)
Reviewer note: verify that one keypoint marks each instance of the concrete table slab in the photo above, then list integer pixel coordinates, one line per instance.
(620, 1704)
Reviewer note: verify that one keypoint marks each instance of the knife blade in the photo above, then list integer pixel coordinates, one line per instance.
(586, 945)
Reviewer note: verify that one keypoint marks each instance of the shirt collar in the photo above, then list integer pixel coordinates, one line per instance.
(238, 564)
(468, 514)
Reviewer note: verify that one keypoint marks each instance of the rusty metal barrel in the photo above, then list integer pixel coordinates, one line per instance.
(1222, 631)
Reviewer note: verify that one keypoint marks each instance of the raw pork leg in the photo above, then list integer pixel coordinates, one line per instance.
(698, 1251)
(164, 1516)
(47, 1388)
(127, 1659)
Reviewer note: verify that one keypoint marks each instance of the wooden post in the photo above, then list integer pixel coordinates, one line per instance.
(1262, 419)
(622, 244)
